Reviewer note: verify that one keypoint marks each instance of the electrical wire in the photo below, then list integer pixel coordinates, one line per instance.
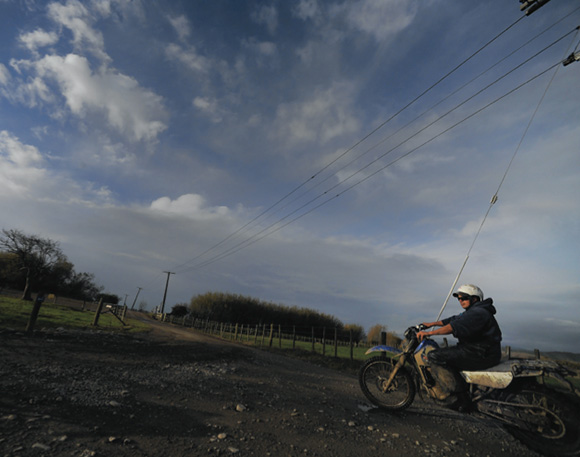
(267, 232)
(495, 195)
(271, 229)
(431, 108)
(351, 148)
(250, 241)
(270, 209)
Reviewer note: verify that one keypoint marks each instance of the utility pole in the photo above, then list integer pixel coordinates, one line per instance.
(135, 301)
(124, 312)
(532, 5)
(165, 293)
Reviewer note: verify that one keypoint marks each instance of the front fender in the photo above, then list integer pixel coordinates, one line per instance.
(390, 349)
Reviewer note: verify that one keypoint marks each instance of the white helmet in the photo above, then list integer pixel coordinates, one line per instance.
(471, 290)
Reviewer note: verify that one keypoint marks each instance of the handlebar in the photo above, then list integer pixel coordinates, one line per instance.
(411, 332)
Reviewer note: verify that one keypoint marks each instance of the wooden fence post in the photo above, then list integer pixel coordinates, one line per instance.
(271, 339)
(34, 313)
(350, 342)
(335, 342)
(323, 340)
(279, 336)
(312, 339)
(98, 312)
(293, 337)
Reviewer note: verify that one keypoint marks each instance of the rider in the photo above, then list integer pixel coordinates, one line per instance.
(477, 331)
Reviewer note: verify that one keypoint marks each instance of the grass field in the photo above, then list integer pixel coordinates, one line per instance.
(14, 314)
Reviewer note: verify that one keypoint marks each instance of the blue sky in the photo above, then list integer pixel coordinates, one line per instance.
(229, 142)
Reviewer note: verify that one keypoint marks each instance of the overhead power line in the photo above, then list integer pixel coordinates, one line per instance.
(530, 6)
(351, 148)
(495, 195)
(272, 228)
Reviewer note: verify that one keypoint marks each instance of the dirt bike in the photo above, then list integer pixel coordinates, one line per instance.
(516, 392)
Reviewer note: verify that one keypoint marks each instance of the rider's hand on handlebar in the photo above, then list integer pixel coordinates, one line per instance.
(422, 335)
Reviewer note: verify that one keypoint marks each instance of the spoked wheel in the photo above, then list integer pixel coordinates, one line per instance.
(373, 377)
(549, 421)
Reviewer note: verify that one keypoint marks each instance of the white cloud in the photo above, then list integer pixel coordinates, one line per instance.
(26, 176)
(189, 205)
(130, 109)
(77, 18)
(38, 39)
(4, 75)
(306, 9)
(188, 57)
(381, 19)
(325, 115)
(16, 152)
(20, 165)
(208, 107)
(181, 26)
(267, 15)
(266, 48)
(263, 52)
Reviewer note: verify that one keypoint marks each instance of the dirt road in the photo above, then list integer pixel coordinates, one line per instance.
(176, 393)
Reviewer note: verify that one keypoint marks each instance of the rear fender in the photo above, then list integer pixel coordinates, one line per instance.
(388, 349)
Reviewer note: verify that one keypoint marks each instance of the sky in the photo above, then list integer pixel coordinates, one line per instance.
(334, 155)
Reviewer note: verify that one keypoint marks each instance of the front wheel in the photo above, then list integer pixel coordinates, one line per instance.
(373, 376)
(551, 421)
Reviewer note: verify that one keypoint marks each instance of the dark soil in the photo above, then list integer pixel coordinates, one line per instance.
(176, 393)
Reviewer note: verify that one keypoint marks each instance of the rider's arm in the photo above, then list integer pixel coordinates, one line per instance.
(433, 324)
(444, 330)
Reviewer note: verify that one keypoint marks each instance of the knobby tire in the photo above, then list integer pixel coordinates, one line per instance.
(564, 406)
(372, 378)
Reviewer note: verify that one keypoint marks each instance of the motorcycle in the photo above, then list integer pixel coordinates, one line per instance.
(531, 398)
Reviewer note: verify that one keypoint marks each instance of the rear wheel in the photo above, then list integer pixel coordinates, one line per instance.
(549, 420)
(373, 377)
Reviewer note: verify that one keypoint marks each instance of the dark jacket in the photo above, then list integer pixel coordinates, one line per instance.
(476, 325)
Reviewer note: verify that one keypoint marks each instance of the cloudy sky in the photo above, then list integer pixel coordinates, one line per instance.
(335, 155)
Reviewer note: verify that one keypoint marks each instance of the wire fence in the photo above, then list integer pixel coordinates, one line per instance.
(326, 341)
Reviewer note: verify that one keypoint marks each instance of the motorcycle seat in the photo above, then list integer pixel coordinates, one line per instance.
(499, 376)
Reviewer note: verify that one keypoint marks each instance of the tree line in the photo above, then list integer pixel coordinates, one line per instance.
(239, 309)
(35, 264)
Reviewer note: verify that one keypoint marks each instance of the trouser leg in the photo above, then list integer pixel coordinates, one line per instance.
(444, 362)
(464, 357)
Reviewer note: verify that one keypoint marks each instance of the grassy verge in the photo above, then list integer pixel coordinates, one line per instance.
(322, 355)
(286, 344)
(14, 314)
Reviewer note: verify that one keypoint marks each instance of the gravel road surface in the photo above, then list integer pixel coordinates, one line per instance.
(173, 392)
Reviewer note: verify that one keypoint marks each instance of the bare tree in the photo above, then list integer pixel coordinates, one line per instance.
(358, 332)
(374, 333)
(34, 255)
